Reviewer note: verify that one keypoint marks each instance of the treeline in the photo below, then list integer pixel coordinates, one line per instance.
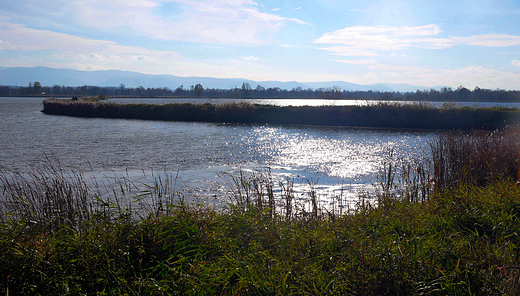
(460, 94)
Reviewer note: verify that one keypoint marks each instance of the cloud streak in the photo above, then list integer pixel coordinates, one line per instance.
(237, 22)
(368, 41)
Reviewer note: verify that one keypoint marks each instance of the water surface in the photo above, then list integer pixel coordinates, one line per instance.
(333, 157)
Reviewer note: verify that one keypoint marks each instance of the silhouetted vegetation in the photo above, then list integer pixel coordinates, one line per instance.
(59, 235)
(412, 116)
(477, 158)
(461, 94)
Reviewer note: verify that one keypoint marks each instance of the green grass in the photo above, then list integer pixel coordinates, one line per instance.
(464, 242)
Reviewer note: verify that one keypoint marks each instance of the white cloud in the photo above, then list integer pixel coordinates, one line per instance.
(515, 63)
(394, 55)
(58, 50)
(357, 62)
(489, 40)
(344, 36)
(6, 45)
(470, 76)
(349, 51)
(82, 53)
(369, 39)
(206, 21)
(23, 38)
(361, 39)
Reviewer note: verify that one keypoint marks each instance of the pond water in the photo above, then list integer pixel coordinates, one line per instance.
(334, 158)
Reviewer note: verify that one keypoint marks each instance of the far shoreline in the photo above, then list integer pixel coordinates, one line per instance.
(259, 98)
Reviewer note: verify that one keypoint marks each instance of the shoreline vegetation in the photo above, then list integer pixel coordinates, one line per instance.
(446, 225)
(460, 94)
(380, 115)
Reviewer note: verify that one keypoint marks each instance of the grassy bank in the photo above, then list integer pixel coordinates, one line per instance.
(463, 242)
(60, 236)
(418, 116)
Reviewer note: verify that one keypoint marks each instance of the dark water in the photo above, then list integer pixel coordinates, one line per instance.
(336, 157)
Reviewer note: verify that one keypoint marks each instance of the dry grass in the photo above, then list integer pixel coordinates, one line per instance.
(477, 158)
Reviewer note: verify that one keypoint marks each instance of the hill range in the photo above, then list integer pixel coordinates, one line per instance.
(21, 76)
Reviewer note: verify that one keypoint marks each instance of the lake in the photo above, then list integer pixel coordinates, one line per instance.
(335, 158)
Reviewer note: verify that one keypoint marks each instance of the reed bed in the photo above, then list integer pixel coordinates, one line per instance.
(387, 115)
(477, 158)
(415, 240)
(457, 158)
(257, 189)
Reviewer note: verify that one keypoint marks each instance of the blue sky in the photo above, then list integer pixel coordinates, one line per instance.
(424, 43)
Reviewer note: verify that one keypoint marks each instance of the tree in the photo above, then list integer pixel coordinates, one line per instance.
(122, 87)
(463, 93)
(37, 88)
(446, 90)
(56, 89)
(333, 92)
(246, 89)
(260, 88)
(198, 90)
(179, 91)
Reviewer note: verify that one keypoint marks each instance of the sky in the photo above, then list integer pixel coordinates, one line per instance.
(419, 42)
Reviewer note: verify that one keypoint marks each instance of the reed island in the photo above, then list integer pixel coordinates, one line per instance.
(378, 115)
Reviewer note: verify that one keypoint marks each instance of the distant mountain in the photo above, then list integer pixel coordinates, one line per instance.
(410, 88)
(19, 76)
(351, 86)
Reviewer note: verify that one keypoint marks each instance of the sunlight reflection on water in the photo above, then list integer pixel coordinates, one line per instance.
(353, 154)
(335, 158)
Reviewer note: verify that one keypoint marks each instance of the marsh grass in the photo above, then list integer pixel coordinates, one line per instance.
(457, 158)
(382, 114)
(415, 240)
(475, 158)
(47, 197)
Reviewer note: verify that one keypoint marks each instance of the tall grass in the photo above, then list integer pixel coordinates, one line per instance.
(457, 158)
(477, 158)
(404, 180)
(257, 190)
(47, 197)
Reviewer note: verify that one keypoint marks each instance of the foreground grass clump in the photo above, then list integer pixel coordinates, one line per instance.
(413, 116)
(461, 242)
